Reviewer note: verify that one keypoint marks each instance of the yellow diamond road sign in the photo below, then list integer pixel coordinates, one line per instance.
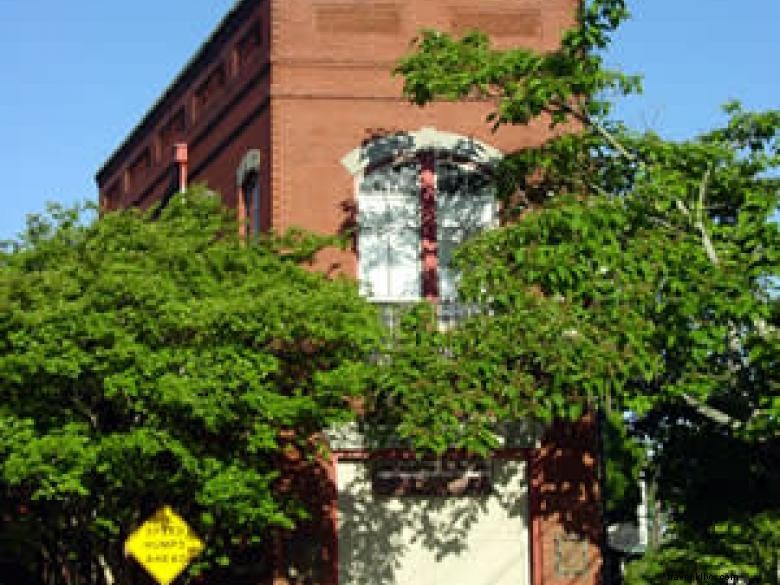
(164, 545)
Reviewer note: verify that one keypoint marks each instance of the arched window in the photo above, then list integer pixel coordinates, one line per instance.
(419, 196)
(249, 202)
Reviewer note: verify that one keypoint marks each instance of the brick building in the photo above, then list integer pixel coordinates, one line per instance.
(289, 111)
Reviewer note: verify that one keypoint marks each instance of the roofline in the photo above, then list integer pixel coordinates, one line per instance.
(192, 64)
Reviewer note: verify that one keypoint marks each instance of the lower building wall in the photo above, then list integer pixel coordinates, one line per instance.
(468, 539)
(539, 526)
(566, 506)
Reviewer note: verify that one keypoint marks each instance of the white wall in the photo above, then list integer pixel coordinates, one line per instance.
(470, 540)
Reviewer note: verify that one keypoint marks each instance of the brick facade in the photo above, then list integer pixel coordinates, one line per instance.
(318, 85)
(305, 82)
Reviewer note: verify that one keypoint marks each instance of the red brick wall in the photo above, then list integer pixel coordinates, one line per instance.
(332, 89)
(235, 119)
(565, 506)
(320, 86)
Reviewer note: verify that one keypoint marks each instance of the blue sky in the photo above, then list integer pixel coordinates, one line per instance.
(694, 56)
(77, 76)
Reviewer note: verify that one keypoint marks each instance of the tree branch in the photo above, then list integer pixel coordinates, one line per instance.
(108, 574)
(83, 409)
(718, 416)
(708, 246)
(705, 410)
(583, 117)
(713, 414)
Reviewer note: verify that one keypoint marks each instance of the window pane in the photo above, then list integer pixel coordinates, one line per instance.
(448, 277)
(373, 265)
(400, 179)
(404, 264)
(256, 203)
(389, 233)
(465, 205)
(251, 193)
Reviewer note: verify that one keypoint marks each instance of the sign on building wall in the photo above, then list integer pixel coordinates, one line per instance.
(431, 477)
(571, 555)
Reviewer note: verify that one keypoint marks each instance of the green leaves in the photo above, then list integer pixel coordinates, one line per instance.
(564, 84)
(159, 361)
(632, 272)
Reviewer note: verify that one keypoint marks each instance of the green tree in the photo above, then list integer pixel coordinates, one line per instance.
(633, 273)
(163, 361)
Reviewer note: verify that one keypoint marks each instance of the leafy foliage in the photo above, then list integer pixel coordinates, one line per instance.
(633, 272)
(595, 297)
(148, 362)
(745, 548)
(524, 84)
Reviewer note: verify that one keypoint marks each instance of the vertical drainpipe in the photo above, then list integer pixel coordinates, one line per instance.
(181, 158)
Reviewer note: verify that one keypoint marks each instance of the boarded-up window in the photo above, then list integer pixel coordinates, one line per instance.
(139, 169)
(210, 88)
(512, 23)
(173, 131)
(250, 43)
(401, 540)
(359, 17)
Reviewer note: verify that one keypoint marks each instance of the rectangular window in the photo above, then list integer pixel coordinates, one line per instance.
(111, 197)
(407, 238)
(390, 248)
(250, 191)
